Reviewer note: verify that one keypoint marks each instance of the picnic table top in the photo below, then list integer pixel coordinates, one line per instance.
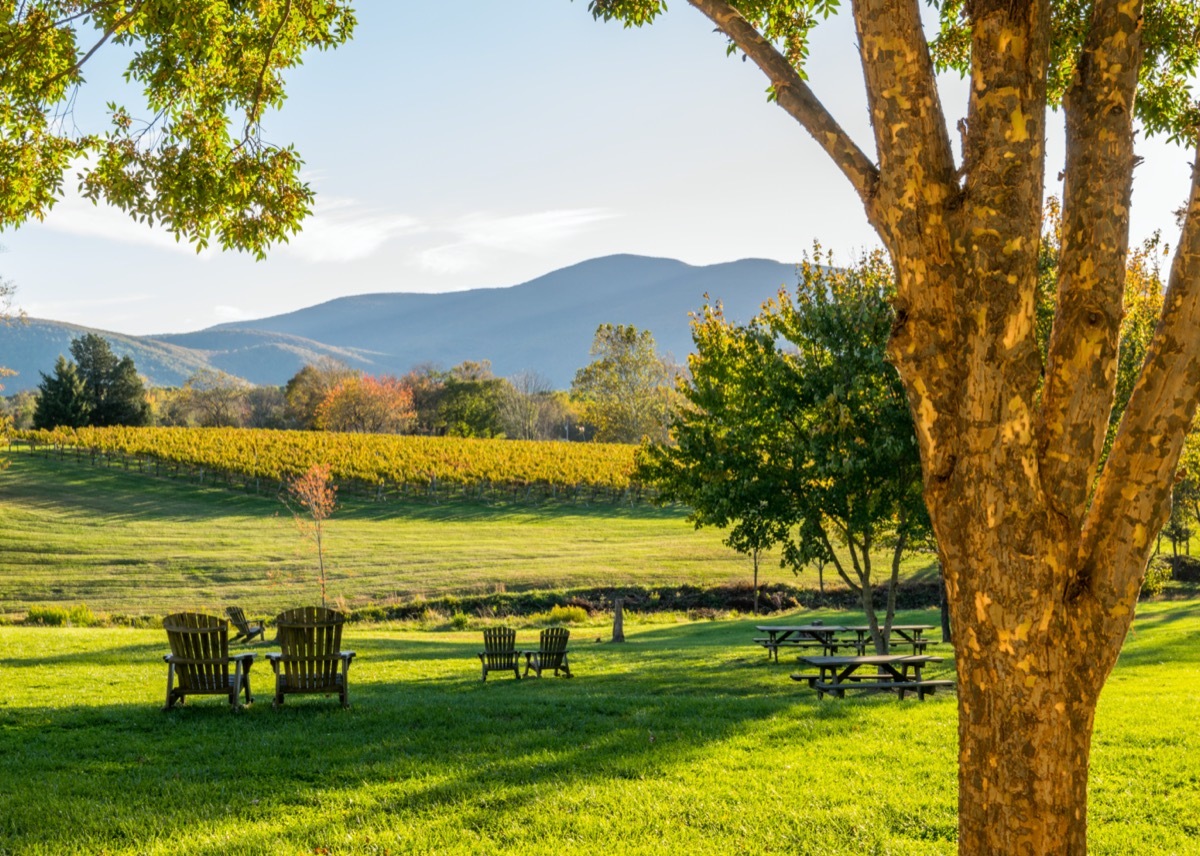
(805, 628)
(870, 660)
(894, 627)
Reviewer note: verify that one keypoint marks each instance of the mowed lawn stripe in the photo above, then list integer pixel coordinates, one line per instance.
(134, 544)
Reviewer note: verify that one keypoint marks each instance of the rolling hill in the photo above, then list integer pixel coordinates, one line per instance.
(545, 325)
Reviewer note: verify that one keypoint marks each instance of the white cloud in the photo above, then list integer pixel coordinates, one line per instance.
(231, 313)
(57, 308)
(525, 234)
(341, 230)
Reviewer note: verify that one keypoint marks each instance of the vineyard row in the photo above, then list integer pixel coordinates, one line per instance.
(378, 466)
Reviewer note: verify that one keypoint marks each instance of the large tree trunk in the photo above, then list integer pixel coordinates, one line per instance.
(1042, 560)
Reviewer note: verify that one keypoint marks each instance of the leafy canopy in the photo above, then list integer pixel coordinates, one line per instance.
(199, 163)
(796, 431)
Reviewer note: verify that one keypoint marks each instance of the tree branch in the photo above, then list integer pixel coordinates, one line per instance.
(795, 96)
(1081, 370)
(1133, 497)
(255, 111)
(919, 197)
(104, 37)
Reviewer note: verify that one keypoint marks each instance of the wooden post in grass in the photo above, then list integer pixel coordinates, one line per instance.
(618, 634)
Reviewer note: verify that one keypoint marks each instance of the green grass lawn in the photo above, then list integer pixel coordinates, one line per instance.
(684, 740)
(136, 545)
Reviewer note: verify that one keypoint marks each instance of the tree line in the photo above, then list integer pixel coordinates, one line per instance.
(624, 395)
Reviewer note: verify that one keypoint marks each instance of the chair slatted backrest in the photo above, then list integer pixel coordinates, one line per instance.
(499, 647)
(200, 645)
(553, 646)
(310, 638)
(238, 617)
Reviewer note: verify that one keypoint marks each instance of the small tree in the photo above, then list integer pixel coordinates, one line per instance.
(312, 499)
(61, 398)
(368, 405)
(627, 390)
(807, 446)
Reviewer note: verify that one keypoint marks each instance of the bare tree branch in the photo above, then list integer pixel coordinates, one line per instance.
(795, 96)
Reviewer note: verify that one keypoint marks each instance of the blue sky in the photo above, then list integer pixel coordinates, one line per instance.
(481, 144)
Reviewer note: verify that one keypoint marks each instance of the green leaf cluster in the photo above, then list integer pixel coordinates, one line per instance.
(198, 163)
(1170, 36)
(796, 431)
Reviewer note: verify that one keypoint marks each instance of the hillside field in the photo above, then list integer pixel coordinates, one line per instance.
(133, 544)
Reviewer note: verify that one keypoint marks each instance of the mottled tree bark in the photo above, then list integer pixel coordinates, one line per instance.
(1042, 561)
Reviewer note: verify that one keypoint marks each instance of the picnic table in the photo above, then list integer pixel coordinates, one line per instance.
(898, 673)
(823, 636)
(902, 635)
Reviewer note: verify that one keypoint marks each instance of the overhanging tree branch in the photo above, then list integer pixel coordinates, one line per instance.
(795, 96)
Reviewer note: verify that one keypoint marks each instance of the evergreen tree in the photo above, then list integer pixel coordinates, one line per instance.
(61, 398)
(96, 389)
(125, 400)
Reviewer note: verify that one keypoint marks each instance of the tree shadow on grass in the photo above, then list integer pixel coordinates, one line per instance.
(407, 747)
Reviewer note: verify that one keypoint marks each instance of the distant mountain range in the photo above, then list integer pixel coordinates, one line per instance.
(545, 325)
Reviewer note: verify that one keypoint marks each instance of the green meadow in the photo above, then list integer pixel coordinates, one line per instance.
(685, 739)
(133, 544)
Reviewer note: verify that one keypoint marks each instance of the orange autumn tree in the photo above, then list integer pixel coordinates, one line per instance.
(368, 405)
(312, 499)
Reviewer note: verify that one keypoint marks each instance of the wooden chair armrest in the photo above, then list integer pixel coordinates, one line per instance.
(275, 657)
(347, 655)
(247, 657)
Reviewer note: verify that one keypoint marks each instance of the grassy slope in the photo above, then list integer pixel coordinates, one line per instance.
(132, 544)
(685, 740)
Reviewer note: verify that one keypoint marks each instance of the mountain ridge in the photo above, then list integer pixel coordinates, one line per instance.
(544, 325)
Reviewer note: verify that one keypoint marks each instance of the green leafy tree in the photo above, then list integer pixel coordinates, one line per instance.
(627, 391)
(1043, 559)
(797, 432)
(469, 402)
(62, 399)
(216, 399)
(209, 72)
(114, 392)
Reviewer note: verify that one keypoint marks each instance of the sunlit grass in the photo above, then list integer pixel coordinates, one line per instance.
(133, 544)
(684, 740)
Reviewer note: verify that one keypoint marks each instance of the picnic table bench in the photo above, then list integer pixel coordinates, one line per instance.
(823, 636)
(831, 637)
(898, 673)
(902, 635)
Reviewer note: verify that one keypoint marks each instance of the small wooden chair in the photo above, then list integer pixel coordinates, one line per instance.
(500, 651)
(245, 630)
(310, 639)
(200, 659)
(551, 653)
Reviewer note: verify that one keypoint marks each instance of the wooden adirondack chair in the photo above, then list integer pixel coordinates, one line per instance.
(245, 630)
(311, 659)
(551, 653)
(500, 651)
(200, 660)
